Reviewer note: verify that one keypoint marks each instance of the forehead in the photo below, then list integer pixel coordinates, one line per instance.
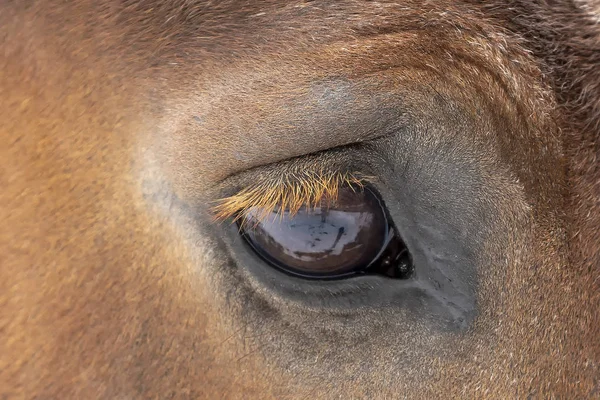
(269, 81)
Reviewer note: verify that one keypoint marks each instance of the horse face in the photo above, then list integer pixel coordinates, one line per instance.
(133, 131)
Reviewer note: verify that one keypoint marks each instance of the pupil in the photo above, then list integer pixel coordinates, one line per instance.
(333, 240)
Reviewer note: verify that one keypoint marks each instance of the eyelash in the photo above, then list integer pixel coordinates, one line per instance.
(290, 193)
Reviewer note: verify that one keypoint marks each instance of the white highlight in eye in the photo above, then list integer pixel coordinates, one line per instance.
(336, 230)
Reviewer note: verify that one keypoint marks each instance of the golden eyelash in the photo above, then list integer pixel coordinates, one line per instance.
(290, 194)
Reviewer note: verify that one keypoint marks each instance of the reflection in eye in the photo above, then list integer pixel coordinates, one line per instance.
(338, 238)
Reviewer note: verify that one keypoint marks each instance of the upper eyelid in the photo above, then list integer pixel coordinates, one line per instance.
(294, 181)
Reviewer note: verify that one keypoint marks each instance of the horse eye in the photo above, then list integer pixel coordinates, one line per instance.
(349, 236)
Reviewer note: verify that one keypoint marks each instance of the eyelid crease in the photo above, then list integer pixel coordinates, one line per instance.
(291, 193)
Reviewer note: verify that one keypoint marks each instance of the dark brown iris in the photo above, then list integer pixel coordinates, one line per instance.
(336, 239)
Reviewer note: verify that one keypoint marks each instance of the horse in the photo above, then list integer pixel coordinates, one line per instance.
(293, 199)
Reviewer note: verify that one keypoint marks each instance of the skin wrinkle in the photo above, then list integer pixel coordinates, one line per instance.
(122, 120)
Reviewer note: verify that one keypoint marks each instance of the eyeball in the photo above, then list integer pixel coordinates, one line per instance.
(347, 236)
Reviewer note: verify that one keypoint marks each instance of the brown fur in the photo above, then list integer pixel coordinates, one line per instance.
(120, 121)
